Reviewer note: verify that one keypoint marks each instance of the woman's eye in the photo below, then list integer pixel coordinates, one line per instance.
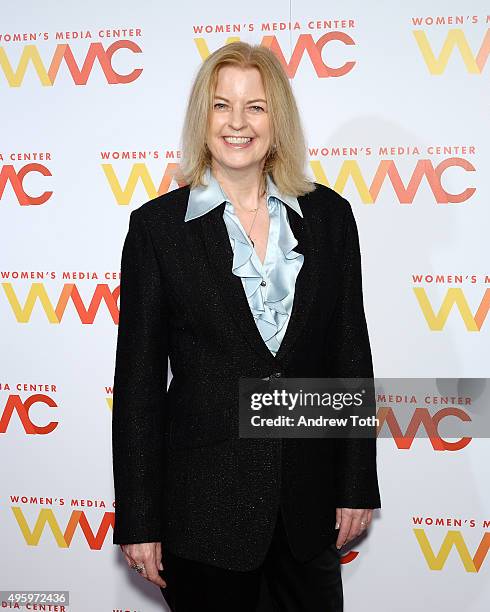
(222, 105)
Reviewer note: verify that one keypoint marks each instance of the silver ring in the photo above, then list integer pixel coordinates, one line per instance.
(138, 568)
(363, 523)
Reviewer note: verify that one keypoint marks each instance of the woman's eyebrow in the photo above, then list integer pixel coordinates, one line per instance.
(248, 101)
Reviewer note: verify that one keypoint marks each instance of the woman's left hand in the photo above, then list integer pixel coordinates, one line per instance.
(352, 522)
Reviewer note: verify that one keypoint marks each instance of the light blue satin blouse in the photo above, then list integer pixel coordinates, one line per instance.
(269, 287)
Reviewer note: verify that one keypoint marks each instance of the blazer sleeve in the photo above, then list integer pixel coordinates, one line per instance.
(140, 386)
(349, 350)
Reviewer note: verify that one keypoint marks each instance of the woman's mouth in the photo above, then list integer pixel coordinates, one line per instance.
(237, 142)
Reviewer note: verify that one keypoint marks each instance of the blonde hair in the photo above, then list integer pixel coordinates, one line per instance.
(287, 160)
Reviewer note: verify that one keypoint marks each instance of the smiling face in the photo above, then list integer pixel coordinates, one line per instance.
(239, 128)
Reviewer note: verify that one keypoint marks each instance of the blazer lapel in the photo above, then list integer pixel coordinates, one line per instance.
(305, 288)
(220, 254)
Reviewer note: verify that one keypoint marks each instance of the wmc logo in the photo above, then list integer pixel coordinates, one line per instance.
(453, 539)
(422, 419)
(455, 39)
(48, 70)
(387, 172)
(436, 559)
(368, 187)
(43, 404)
(315, 50)
(123, 191)
(8, 174)
(69, 293)
(22, 408)
(454, 298)
(94, 535)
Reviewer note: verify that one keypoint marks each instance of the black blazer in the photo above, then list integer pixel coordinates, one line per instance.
(181, 473)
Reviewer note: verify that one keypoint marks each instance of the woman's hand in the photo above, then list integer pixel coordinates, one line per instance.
(352, 522)
(148, 555)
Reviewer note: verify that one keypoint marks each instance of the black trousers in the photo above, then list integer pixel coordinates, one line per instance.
(290, 586)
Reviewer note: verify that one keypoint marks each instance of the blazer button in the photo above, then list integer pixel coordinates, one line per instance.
(271, 376)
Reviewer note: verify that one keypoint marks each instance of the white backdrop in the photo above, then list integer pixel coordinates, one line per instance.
(83, 145)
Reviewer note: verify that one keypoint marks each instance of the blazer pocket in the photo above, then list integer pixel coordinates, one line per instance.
(200, 429)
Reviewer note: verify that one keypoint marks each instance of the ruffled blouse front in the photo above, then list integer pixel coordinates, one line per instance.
(269, 287)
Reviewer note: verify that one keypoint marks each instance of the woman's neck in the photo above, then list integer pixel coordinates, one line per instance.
(243, 188)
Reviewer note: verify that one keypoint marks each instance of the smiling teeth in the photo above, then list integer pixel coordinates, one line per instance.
(234, 140)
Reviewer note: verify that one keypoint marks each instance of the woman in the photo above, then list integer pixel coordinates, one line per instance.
(249, 270)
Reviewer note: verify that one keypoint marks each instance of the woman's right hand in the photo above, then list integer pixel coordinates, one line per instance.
(149, 555)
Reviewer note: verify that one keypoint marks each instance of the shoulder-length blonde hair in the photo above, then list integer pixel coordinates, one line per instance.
(285, 162)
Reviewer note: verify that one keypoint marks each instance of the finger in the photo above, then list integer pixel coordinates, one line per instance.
(345, 522)
(158, 552)
(360, 523)
(144, 574)
(355, 526)
(152, 574)
(134, 563)
(338, 516)
(365, 520)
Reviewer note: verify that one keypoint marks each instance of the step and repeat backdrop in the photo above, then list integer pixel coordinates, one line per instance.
(395, 101)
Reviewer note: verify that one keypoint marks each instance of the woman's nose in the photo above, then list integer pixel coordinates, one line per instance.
(237, 119)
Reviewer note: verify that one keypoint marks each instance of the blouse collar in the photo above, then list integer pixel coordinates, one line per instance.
(204, 198)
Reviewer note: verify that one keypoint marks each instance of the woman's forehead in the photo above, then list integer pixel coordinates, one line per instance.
(233, 80)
